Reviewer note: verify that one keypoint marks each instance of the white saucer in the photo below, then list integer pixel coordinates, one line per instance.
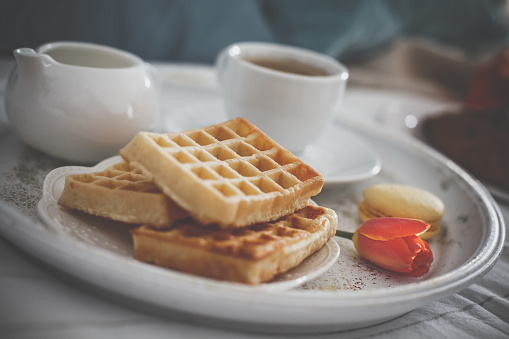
(340, 155)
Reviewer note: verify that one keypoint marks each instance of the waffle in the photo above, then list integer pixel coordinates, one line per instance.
(120, 193)
(251, 255)
(230, 174)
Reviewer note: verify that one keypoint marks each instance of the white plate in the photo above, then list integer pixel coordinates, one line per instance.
(339, 155)
(100, 233)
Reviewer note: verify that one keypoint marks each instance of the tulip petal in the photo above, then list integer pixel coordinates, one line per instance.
(422, 261)
(392, 228)
(392, 254)
(410, 256)
(414, 243)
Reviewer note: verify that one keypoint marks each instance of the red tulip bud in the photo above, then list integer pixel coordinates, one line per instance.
(393, 244)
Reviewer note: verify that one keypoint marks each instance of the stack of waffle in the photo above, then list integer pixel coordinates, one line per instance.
(225, 202)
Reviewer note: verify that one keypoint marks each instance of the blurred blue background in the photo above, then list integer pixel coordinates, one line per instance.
(196, 30)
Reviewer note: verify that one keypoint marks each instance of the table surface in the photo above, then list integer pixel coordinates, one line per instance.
(37, 301)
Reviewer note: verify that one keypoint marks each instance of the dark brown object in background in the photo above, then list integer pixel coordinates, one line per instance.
(478, 140)
(490, 85)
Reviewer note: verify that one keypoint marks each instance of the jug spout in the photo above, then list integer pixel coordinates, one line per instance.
(24, 52)
(29, 61)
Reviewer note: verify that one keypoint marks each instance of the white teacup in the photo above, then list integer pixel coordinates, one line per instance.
(289, 93)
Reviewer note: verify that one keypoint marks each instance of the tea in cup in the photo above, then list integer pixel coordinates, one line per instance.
(290, 93)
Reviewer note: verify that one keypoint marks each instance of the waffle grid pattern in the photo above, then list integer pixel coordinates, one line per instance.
(230, 174)
(255, 241)
(120, 176)
(252, 254)
(120, 192)
(235, 160)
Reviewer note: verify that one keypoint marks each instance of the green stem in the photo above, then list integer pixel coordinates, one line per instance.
(343, 234)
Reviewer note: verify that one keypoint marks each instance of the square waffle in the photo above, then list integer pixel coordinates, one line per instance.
(120, 193)
(251, 255)
(230, 174)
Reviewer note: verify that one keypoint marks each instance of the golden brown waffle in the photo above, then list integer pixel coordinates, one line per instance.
(252, 254)
(121, 193)
(231, 174)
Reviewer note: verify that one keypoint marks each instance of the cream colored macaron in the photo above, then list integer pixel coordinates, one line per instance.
(395, 200)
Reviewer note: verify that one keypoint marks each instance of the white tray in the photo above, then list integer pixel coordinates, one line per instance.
(351, 294)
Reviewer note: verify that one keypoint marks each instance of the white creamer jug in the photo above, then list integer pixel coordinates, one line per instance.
(80, 102)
